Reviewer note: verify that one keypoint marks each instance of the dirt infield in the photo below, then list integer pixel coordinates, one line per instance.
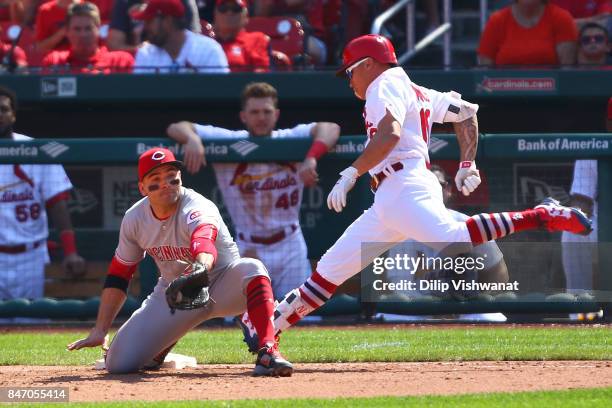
(314, 380)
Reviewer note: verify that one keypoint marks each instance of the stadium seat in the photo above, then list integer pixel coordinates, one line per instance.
(286, 34)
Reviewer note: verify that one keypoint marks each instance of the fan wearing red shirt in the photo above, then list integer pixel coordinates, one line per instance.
(85, 55)
(529, 32)
(245, 51)
(50, 29)
(585, 11)
(609, 121)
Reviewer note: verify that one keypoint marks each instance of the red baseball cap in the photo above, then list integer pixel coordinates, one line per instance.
(154, 8)
(241, 3)
(153, 158)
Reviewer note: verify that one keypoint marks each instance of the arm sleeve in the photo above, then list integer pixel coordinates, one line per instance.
(443, 103)
(492, 37)
(203, 240)
(386, 99)
(208, 131)
(54, 181)
(564, 27)
(585, 178)
(128, 251)
(299, 131)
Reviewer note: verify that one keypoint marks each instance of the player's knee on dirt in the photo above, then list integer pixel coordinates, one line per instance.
(118, 362)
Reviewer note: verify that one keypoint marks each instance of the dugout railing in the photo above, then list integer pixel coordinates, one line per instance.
(518, 170)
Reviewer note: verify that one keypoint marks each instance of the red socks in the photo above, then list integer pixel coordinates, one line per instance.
(487, 227)
(260, 305)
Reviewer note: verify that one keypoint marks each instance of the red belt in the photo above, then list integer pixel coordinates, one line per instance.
(378, 178)
(18, 249)
(269, 240)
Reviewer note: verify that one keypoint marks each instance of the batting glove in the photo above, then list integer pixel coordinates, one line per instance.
(337, 197)
(467, 178)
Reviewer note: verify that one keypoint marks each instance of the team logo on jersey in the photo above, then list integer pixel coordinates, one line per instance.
(158, 155)
(244, 147)
(250, 183)
(194, 215)
(54, 149)
(170, 253)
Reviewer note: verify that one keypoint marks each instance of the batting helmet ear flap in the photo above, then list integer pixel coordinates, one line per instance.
(369, 45)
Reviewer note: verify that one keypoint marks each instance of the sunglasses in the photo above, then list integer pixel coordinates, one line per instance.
(588, 39)
(349, 70)
(229, 7)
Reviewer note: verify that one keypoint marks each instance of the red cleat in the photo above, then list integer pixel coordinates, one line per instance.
(560, 218)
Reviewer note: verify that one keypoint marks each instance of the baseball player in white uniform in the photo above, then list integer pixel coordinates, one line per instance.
(408, 198)
(170, 48)
(27, 193)
(176, 225)
(264, 199)
(579, 253)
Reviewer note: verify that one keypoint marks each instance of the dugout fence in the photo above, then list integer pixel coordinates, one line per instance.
(519, 170)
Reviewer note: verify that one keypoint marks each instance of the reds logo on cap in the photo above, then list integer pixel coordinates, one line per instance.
(154, 158)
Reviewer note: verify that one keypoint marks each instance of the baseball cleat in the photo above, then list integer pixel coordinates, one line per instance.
(560, 218)
(248, 332)
(271, 363)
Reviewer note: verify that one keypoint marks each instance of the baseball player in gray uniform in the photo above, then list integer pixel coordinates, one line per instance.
(177, 226)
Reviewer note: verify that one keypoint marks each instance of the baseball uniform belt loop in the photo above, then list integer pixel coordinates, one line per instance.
(18, 249)
(271, 239)
(378, 178)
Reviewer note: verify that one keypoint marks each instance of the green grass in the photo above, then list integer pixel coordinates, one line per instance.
(595, 397)
(346, 345)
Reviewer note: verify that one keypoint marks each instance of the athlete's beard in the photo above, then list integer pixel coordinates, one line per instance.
(6, 131)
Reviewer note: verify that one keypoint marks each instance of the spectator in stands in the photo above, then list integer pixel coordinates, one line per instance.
(245, 51)
(29, 191)
(50, 26)
(125, 33)
(316, 16)
(594, 45)
(170, 47)
(85, 54)
(12, 10)
(12, 56)
(587, 11)
(529, 32)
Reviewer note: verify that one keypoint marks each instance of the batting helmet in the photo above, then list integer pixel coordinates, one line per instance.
(369, 45)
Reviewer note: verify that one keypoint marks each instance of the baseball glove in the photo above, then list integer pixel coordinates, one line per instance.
(190, 290)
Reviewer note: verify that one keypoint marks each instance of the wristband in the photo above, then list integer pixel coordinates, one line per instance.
(465, 164)
(317, 150)
(68, 243)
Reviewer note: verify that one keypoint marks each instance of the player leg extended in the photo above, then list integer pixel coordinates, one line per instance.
(424, 218)
(162, 329)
